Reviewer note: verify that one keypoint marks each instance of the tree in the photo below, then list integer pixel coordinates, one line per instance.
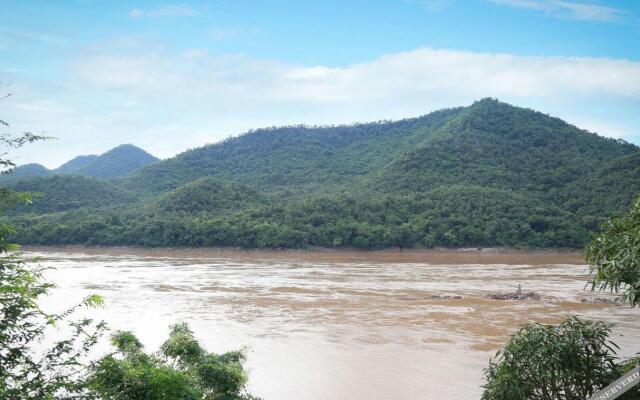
(181, 370)
(614, 256)
(56, 371)
(570, 361)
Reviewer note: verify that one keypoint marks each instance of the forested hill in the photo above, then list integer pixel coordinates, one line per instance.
(294, 158)
(76, 164)
(489, 174)
(25, 171)
(117, 162)
(496, 145)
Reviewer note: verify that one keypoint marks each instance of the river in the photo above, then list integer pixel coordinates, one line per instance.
(321, 325)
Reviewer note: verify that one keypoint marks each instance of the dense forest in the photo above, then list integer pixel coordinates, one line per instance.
(490, 174)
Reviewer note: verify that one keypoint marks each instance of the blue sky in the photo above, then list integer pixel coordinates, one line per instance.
(169, 76)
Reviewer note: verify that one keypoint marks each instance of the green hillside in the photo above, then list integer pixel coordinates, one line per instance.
(485, 175)
(608, 190)
(76, 164)
(68, 192)
(116, 162)
(493, 144)
(207, 195)
(293, 159)
(25, 171)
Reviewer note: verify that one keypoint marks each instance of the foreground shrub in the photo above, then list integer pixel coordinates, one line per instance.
(182, 369)
(570, 361)
(614, 256)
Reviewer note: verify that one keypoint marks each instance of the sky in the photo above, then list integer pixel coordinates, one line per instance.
(169, 76)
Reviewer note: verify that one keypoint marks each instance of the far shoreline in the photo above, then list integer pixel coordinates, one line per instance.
(473, 255)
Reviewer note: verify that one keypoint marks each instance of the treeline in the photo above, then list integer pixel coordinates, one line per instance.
(451, 217)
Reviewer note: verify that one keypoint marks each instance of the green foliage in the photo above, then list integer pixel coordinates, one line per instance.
(448, 216)
(570, 361)
(71, 192)
(181, 370)
(614, 256)
(208, 195)
(54, 371)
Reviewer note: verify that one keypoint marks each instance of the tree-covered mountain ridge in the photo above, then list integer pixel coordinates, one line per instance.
(117, 162)
(489, 174)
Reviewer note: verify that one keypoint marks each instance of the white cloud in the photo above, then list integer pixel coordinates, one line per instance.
(165, 11)
(567, 9)
(168, 102)
(422, 72)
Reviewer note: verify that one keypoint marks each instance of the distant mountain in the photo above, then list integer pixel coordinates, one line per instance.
(489, 174)
(76, 164)
(116, 162)
(25, 171)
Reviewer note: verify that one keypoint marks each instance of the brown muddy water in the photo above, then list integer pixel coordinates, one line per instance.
(321, 325)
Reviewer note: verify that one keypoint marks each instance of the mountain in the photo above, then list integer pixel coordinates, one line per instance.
(493, 144)
(25, 171)
(293, 158)
(116, 162)
(489, 174)
(76, 164)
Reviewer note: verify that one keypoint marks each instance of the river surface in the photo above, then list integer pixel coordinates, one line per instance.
(321, 325)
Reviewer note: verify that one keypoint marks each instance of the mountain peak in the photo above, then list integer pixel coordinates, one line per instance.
(490, 103)
(497, 117)
(105, 165)
(119, 161)
(487, 100)
(126, 146)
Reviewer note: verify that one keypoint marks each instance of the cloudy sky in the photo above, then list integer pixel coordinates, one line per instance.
(168, 76)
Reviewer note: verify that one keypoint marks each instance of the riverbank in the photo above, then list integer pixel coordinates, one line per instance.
(443, 256)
